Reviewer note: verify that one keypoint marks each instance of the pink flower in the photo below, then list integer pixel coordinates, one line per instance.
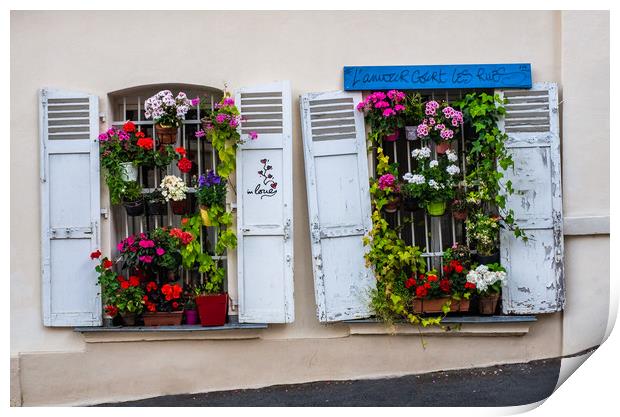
(361, 106)
(160, 251)
(103, 137)
(146, 259)
(431, 121)
(195, 101)
(388, 112)
(385, 181)
(448, 112)
(120, 247)
(229, 101)
(147, 244)
(253, 135)
(378, 96)
(221, 117)
(200, 134)
(233, 123)
(446, 134)
(131, 240)
(440, 126)
(422, 130)
(399, 107)
(455, 122)
(381, 104)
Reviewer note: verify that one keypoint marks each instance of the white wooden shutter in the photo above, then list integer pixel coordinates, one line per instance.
(338, 203)
(265, 205)
(535, 268)
(69, 207)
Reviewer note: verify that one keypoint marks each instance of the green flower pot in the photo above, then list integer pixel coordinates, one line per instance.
(436, 208)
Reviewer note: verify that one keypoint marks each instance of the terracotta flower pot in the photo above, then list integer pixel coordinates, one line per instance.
(204, 214)
(487, 304)
(436, 208)
(212, 309)
(460, 215)
(167, 135)
(134, 208)
(434, 305)
(162, 318)
(442, 147)
(180, 207)
(392, 137)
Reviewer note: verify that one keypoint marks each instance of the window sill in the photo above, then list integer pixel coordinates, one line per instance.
(452, 326)
(231, 330)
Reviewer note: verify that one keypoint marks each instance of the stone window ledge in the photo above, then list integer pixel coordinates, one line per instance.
(231, 330)
(452, 326)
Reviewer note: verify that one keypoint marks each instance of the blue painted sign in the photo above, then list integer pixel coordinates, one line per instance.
(422, 77)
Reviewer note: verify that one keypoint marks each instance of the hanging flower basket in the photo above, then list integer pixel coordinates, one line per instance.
(392, 205)
(162, 318)
(129, 171)
(134, 208)
(411, 133)
(436, 208)
(167, 135)
(180, 207)
(393, 137)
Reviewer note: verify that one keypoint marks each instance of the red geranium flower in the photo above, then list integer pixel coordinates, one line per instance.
(124, 284)
(447, 269)
(421, 292)
(427, 285)
(134, 281)
(129, 127)
(184, 221)
(184, 164)
(145, 298)
(470, 285)
(458, 268)
(410, 282)
(145, 143)
(180, 150)
(111, 310)
(444, 285)
(107, 263)
(96, 254)
(175, 305)
(151, 286)
(139, 134)
(432, 278)
(151, 306)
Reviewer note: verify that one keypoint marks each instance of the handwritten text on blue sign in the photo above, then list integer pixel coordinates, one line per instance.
(414, 77)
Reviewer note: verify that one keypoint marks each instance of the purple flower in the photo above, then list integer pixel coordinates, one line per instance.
(199, 134)
(111, 131)
(233, 123)
(202, 180)
(122, 135)
(195, 101)
(253, 135)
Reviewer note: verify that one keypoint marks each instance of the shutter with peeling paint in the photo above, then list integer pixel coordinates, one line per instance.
(69, 207)
(265, 205)
(535, 268)
(338, 203)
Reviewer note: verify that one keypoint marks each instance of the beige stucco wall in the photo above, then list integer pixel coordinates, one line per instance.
(100, 52)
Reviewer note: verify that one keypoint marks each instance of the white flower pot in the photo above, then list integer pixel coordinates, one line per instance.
(411, 132)
(130, 171)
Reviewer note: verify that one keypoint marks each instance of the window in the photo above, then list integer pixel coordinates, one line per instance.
(417, 228)
(127, 105)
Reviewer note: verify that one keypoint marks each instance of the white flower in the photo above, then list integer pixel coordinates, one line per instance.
(434, 184)
(453, 169)
(434, 163)
(451, 156)
(421, 153)
(408, 176)
(173, 188)
(483, 278)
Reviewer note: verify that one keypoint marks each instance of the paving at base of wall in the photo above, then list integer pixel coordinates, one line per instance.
(501, 385)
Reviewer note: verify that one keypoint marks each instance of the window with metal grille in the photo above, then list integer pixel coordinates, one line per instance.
(417, 228)
(127, 105)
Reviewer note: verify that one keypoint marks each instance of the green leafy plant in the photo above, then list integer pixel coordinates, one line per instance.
(484, 230)
(132, 191)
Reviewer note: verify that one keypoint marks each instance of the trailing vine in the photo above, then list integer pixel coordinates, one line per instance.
(392, 260)
(488, 152)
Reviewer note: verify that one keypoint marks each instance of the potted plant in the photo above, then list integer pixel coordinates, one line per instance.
(431, 293)
(488, 280)
(388, 184)
(211, 193)
(133, 200)
(120, 156)
(409, 199)
(164, 304)
(459, 252)
(212, 301)
(456, 272)
(459, 209)
(174, 190)
(120, 296)
(432, 183)
(383, 113)
(484, 231)
(440, 124)
(156, 204)
(167, 112)
(412, 115)
(190, 309)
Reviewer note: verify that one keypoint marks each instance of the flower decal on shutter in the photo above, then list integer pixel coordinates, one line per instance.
(267, 185)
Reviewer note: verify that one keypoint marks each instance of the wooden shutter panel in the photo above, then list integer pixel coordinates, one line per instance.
(535, 268)
(69, 207)
(338, 203)
(265, 205)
